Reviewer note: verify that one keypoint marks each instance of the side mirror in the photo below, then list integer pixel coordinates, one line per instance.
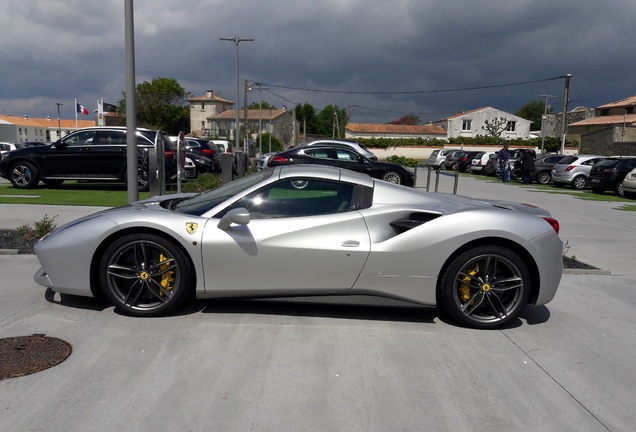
(239, 216)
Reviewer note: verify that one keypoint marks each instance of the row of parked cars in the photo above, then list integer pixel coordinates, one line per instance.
(99, 154)
(597, 172)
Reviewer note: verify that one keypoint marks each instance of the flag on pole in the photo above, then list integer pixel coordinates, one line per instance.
(80, 109)
(109, 107)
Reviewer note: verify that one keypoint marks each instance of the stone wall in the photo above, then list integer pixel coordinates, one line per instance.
(610, 141)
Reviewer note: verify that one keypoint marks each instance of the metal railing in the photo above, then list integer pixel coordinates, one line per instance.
(438, 173)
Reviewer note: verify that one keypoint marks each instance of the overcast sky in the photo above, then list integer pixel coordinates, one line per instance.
(386, 58)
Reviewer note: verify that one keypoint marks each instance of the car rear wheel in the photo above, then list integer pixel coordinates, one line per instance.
(145, 275)
(392, 177)
(543, 177)
(579, 182)
(485, 287)
(24, 175)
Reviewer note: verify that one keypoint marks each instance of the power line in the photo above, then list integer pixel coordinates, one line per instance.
(413, 91)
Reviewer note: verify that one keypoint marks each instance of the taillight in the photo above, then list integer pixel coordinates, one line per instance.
(169, 154)
(570, 168)
(553, 223)
(278, 159)
(207, 151)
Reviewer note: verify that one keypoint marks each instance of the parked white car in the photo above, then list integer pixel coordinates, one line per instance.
(478, 164)
(6, 147)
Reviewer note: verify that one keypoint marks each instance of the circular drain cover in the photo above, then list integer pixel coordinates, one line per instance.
(25, 355)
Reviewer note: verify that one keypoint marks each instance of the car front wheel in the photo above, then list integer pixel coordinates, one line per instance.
(485, 287)
(145, 275)
(24, 175)
(392, 177)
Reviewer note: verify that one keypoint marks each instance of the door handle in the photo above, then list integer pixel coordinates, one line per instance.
(350, 243)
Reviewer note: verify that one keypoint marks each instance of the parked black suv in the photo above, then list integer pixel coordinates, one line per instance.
(95, 153)
(609, 174)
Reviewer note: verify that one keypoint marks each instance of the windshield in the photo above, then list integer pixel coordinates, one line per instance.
(199, 204)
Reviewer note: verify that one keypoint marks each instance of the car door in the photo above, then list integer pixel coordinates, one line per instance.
(70, 156)
(304, 236)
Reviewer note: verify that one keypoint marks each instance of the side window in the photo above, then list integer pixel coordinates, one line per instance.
(79, 138)
(109, 137)
(346, 155)
(318, 153)
(299, 197)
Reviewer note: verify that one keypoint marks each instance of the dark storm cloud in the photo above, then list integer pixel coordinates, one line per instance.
(56, 50)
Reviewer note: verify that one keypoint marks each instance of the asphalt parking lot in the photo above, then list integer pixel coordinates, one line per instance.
(250, 366)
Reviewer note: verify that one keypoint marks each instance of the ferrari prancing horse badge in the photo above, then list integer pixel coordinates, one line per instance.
(191, 227)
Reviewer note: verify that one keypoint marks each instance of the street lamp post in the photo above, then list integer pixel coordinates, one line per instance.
(59, 124)
(236, 41)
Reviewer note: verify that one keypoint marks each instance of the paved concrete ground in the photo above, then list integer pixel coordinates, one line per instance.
(241, 366)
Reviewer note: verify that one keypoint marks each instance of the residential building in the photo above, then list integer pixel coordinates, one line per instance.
(368, 130)
(203, 107)
(471, 124)
(612, 130)
(21, 129)
(279, 122)
(552, 122)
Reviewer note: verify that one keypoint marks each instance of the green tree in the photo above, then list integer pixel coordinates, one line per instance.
(161, 104)
(533, 111)
(306, 117)
(257, 105)
(409, 119)
(331, 121)
(495, 127)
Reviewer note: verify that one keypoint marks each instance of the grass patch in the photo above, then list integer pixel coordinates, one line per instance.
(70, 193)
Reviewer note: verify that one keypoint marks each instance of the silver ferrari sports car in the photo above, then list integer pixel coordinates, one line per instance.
(312, 232)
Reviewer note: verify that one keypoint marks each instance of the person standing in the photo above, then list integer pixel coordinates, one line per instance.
(504, 157)
(527, 165)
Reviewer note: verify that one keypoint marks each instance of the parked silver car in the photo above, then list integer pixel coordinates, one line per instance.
(437, 157)
(629, 184)
(574, 170)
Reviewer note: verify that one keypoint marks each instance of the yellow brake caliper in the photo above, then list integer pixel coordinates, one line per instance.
(167, 278)
(464, 290)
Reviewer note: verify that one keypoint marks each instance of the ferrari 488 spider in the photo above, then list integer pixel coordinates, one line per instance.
(311, 232)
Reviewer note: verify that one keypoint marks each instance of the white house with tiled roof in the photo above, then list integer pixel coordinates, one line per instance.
(470, 124)
(279, 122)
(370, 130)
(17, 129)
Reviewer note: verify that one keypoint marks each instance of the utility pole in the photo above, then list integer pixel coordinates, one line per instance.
(566, 92)
(236, 41)
(247, 129)
(545, 113)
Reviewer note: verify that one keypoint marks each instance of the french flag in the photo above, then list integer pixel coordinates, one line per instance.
(81, 109)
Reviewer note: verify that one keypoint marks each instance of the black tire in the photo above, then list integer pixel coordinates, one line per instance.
(24, 175)
(392, 177)
(52, 183)
(618, 189)
(579, 182)
(485, 287)
(145, 275)
(455, 166)
(544, 177)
